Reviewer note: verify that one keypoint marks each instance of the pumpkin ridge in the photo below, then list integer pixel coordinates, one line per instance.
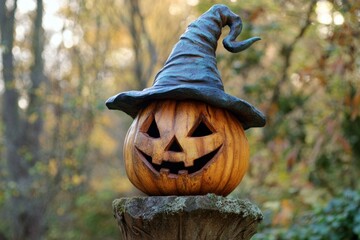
(129, 143)
(233, 171)
(227, 166)
(151, 186)
(240, 160)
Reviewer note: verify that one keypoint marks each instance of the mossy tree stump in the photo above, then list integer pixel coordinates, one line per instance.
(186, 217)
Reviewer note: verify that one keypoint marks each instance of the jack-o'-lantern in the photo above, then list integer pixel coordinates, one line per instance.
(184, 148)
(188, 136)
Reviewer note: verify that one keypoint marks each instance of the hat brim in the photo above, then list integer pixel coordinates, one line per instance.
(132, 102)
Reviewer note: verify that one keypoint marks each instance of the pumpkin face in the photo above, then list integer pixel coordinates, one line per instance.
(185, 148)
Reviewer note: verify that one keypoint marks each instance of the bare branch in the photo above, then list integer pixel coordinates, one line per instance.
(287, 51)
(143, 67)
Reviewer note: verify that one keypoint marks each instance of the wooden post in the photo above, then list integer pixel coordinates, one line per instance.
(186, 217)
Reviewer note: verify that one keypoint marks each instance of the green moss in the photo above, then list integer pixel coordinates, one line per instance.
(118, 205)
(177, 205)
(148, 207)
(237, 206)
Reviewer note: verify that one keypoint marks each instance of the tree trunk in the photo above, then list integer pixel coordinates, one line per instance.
(34, 123)
(22, 131)
(142, 45)
(186, 217)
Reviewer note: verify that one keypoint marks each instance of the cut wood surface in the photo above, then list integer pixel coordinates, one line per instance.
(186, 217)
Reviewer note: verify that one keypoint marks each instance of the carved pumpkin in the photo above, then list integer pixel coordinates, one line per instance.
(185, 148)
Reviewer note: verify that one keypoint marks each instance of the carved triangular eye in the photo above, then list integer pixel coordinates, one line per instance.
(202, 129)
(153, 130)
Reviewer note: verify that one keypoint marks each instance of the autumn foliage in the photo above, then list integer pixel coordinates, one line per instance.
(61, 151)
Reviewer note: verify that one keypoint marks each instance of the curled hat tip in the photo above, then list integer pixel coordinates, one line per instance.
(256, 39)
(233, 46)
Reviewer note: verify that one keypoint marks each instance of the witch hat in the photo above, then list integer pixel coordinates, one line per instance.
(191, 73)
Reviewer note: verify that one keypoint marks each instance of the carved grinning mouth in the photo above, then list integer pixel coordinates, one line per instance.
(179, 167)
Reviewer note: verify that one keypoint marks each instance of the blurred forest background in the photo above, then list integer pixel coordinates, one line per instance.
(61, 149)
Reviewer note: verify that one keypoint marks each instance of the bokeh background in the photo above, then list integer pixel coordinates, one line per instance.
(61, 150)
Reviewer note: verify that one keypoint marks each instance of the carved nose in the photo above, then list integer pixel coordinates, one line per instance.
(174, 146)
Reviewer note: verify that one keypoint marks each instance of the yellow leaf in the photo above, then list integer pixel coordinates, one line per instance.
(77, 179)
(53, 167)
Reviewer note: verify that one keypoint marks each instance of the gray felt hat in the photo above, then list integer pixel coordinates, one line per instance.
(190, 72)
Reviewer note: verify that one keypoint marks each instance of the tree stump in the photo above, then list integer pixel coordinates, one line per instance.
(186, 217)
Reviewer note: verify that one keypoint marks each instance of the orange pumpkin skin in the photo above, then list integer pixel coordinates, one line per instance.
(185, 148)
